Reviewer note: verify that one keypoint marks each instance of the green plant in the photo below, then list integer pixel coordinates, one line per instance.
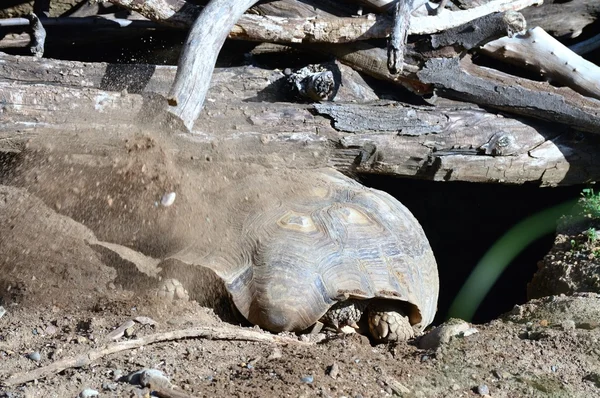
(589, 203)
(573, 245)
(591, 234)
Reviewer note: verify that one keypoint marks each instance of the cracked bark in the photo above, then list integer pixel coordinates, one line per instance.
(245, 121)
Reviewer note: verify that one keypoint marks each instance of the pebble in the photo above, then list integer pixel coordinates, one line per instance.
(35, 356)
(568, 325)
(469, 332)
(88, 393)
(109, 386)
(120, 331)
(334, 370)
(117, 373)
(168, 199)
(442, 334)
(154, 378)
(50, 329)
(2, 311)
(482, 389)
(306, 379)
(275, 354)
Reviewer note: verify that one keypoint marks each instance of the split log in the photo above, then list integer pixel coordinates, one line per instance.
(459, 142)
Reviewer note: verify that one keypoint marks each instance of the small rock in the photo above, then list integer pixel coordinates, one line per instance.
(483, 389)
(88, 393)
(120, 331)
(109, 386)
(154, 378)
(443, 333)
(334, 370)
(50, 329)
(117, 374)
(168, 199)
(81, 340)
(469, 332)
(501, 374)
(553, 368)
(306, 379)
(275, 354)
(35, 356)
(567, 325)
(129, 331)
(2, 311)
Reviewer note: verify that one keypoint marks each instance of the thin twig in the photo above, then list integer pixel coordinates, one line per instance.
(212, 333)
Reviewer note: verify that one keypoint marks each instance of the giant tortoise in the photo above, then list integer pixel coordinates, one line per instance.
(289, 247)
(322, 247)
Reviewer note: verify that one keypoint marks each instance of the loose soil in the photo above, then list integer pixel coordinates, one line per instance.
(63, 297)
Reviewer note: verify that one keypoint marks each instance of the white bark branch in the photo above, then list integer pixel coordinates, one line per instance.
(538, 51)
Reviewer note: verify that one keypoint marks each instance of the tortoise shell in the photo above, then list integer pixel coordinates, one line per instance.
(320, 238)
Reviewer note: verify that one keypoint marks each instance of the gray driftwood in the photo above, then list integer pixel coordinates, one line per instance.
(245, 121)
(199, 56)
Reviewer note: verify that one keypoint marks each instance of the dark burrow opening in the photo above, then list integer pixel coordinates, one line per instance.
(463, 220)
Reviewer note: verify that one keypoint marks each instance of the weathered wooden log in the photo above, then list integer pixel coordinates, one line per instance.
(468, 82)
(458, 142)
(563, 19)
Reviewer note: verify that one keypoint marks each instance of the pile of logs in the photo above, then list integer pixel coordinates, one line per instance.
(486, 89)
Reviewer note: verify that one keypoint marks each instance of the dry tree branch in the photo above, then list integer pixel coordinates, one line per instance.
(213, 333)
(199, 56)
(399, 35)
(179, 14)
(539, 51)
